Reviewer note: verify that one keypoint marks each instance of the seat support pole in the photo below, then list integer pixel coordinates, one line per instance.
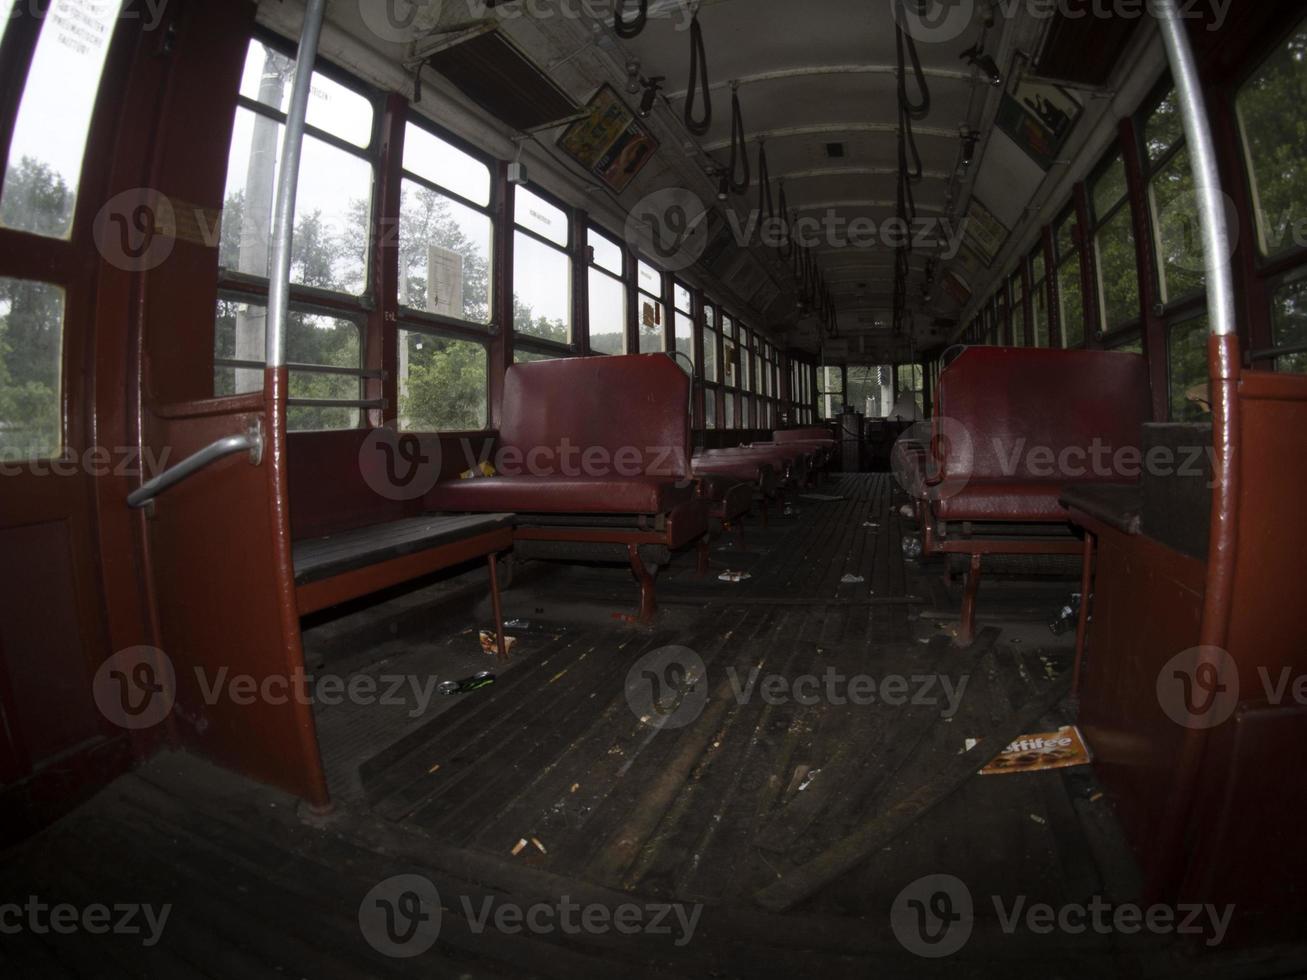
(1082, 620)
(967, 626)
(648, 604)
(502, 649)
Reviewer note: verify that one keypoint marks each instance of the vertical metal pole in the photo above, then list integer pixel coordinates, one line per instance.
(287, 181)
(1202, 159)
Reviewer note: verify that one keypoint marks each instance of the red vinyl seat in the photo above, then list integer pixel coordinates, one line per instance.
(1013, 427)
(593, 455)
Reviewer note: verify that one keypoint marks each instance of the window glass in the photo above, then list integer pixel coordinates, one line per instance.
(651, 325)
(650, 279)
(605, 252)
(685, 336)
(728, 421)
(317, 341)
(607, 313)
(332, 209)
(54, 117)
(1289, 323)
(444, 255)
(269, 76)
(1071, 303)
(430, 157)
(1164, 128)
(1179, 237)
(1108, 189)
(710, 409)
(31, 359)
(870, 390)
(710, 372)
(1130, 345)
(1272, 109)
(443, 383)
(1039, 310)
(830, 388)
(533, 212)
(1118, 273)
(1065, 235)
(681, 297)
(1187, 366)
(530, 357)
(728, 357)
(542, 294)
(1018, 311)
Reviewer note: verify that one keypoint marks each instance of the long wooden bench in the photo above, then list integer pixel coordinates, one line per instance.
(338, 567)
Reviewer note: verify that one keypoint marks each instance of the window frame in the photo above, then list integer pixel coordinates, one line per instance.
(527, 341)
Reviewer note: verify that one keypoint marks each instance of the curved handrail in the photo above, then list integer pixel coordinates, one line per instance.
(251, 441)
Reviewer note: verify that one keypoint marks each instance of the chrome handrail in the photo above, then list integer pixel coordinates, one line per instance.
(250, 440)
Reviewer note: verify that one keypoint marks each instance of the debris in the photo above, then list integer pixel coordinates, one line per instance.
(1067, 616)
(851, 579)
(517, 624)
(490, 644)
(1045, 750)
(1096, 797)
(819, 497)
(911, 547)
(730, 576)
(481, 678)
(800, 776)
(433, 769)
(539, 847)
(519, 847)
(1037, 818)
(807, 780)
(907, 512)
(969, 744)
(575, 787)
(484, 469)
(875, 524)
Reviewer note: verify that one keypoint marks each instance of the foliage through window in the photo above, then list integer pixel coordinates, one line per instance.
(31, 357)
(443, 383)
(325, 356)
(48, 143)
(1114, 248)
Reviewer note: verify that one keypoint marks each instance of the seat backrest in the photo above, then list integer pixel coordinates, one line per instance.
(1032, 414)
(629, 412)
(810, 433)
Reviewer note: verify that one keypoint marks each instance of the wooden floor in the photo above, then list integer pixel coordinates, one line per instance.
(793, 828)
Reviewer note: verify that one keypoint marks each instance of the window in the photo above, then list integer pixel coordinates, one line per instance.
(531, 357)
(443, 383)
(830, 388)
(710, 339)
(1018, 289)
(729, 360)
(1114, 248)
(334, 197)
(871, 390)
(1187, 369)
(651, 314)
(910, 383)
(607, 294)
(1039, 298)
(324, 354)
(542, 269)
(31, 358)
(43, 172)
(446, 234)
(1289, 324)
(1177, 237)
(1070, 304)
(683, 300)
(332, 242)
(1272, 114)
(746, 359)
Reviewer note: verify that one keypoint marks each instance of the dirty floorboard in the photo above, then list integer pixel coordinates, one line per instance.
(688, 763)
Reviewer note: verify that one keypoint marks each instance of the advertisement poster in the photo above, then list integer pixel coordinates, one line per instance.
(610, 141)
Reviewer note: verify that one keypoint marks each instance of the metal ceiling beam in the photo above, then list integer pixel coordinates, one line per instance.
(793, 132)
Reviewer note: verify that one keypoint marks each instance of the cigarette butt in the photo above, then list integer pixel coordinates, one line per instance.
(575, 787)
(433, 768)
(1097, 796)
(519, 847)
(539, 847)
